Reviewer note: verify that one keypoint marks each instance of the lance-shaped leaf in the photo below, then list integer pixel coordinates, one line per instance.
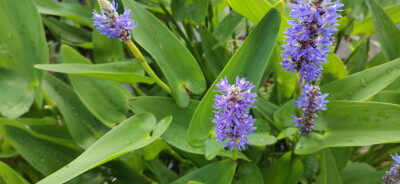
(387, 32)
(338, 126)
(329, 171)
(9, 176)
(176, 62)
(134, 133)
(249, 61)
(44, 153)
(287, 170)
(84, 128)
(22, 44)
(218, 173)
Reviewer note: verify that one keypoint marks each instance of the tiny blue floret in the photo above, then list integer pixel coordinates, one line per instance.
(111, 24)
(393, 176)
(309, 37)
(311, 101)
(232, 120)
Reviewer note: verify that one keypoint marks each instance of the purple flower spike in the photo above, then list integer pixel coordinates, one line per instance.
(309, 37)
(111, 24)
(393, 176)
(232, 120)
(311, 101)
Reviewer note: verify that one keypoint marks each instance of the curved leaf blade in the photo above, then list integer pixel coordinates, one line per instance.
(169, 53)
(338, 127)
(249, 61)
(22, 32)
(134, 133)
(9, 176)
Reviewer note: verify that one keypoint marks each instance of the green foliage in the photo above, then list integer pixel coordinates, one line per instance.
(77, 107)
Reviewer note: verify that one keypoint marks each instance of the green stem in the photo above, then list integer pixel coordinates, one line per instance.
(138, 91)
(136, 52)
(235, 153)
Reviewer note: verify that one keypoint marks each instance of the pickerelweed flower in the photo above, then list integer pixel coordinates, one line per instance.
(309, 37)
(393, 176)
(110, 23)
(311, 101)
(232, 120)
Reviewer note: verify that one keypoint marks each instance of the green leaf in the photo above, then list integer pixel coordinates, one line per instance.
(357, 61)
(255, 10)
(76, 12)
(287, 170)
(134, 133)
(223, 32)
(169, 53)
(92, 92)
(338, 126)
(334, 69)
(45, 153)
(364, 84)
(6, 150)
(248, 173)
(266, 108)
(285, 81)
(261, 135)
(9, 176)
(249, 61)
(22, 44)
(361, 173)
(106, 50)
(194, 10)
(387, 97)
(176, 134)
(163, 174)
(67, 32)
(366, 26)
(216, 58)
(387, 32)
(84, 127)
(47, 126)
(378, 59)
(329, 172)
(125, 72)
(218, 173)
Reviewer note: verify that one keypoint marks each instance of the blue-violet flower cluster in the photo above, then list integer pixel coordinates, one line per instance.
(232, 120)
(311, 101)
(309, 37)
(393, 176)
(110, 23)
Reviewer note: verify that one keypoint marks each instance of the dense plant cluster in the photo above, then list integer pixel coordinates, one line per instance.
(200, 91)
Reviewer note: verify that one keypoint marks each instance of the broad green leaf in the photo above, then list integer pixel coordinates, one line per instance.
(357, 61)
(366, 26)
(9, 176)
(67, 32)
(329, 171)
(255, 10)
(176, 134)
(387, 97)
(46, 126)
(83, 126)
(334, 69)
(217, 173)
(194, 10)
(249, 61)
(339, 127)
(287, 132)
(176, 62)
(45, 153)
(387, 32)
(342, 155)
(22, 44)
(106, 50)
(223, 32)
(92, 92)
(216, 58)
(364, 84)
(266, 108)
(261, 134)
(152, 150)
(134, 133)
(287, 170)
(248, 173)
(77, 12)
(125, 72)
(378, 59)
(361, 173)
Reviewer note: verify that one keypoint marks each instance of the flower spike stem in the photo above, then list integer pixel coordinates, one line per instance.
(135, 51)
